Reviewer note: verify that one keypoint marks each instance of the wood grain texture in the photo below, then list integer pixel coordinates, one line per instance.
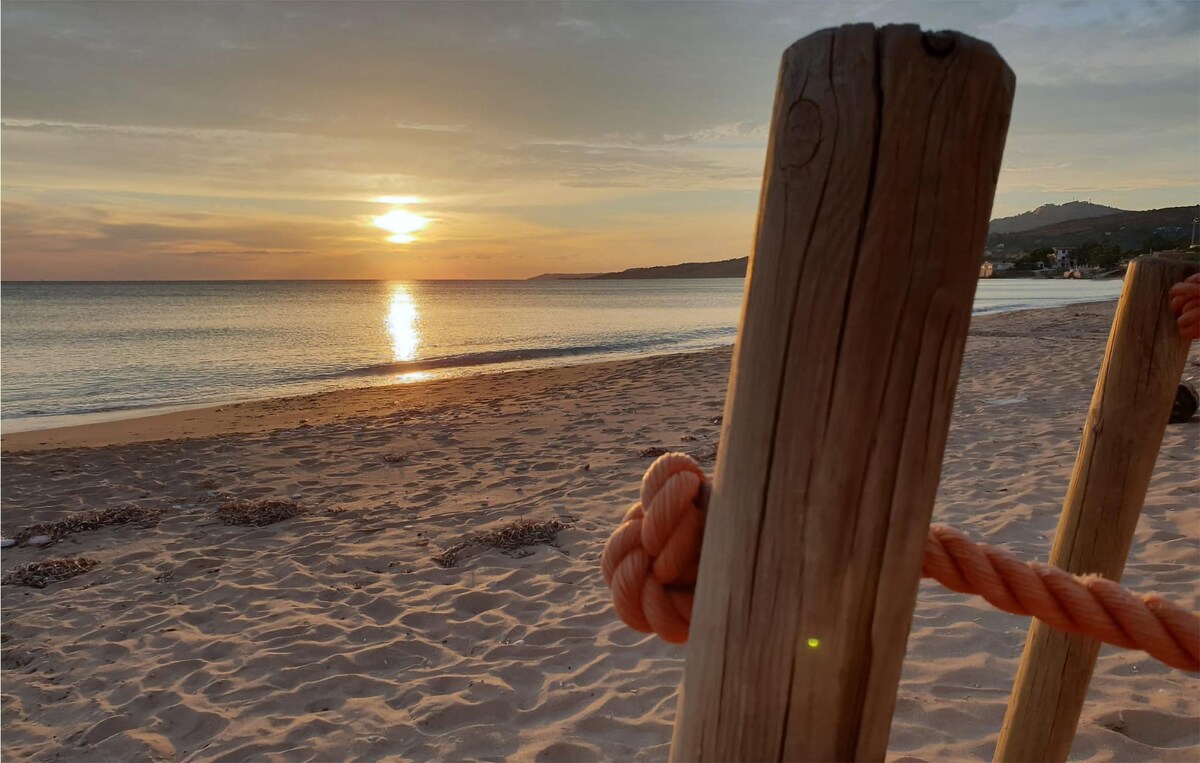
(1125, 423)
(881, 167)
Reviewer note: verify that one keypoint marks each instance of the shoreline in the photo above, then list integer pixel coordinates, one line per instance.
(308, 410)
(252, 414)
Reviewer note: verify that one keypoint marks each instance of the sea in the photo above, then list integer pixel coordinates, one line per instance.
(73, 353)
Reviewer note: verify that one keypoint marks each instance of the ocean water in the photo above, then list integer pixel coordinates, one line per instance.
(77, 352)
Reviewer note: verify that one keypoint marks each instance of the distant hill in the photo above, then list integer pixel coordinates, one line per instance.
(1049, 214)
(1129, 230)
(563, 276)
(723, 269)
(1087, 222)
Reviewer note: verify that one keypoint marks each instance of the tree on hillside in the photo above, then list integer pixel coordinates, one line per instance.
(1034, 260)
(1098, 255)
(1160, 243)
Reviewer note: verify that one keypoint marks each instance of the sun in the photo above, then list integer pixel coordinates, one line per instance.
(401, 223)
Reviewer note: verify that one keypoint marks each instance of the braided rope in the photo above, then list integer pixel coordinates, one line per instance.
(651, 560)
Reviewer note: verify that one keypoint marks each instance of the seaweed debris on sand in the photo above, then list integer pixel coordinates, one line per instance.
(40, 574)
(83, 521)
(257, 513)
(510, 537)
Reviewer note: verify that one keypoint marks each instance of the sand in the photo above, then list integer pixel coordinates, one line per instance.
(334, 635)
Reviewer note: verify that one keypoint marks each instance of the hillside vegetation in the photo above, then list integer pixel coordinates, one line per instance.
(1131, 231)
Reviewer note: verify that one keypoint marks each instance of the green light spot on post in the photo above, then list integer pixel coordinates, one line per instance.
(814, 642)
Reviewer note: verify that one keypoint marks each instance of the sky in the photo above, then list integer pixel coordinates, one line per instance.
(175, 140)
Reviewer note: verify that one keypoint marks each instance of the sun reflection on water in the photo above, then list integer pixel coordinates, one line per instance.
(403, 324)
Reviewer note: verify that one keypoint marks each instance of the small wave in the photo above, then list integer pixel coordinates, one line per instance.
(22, 413)
(1003, 307)
(496, 357)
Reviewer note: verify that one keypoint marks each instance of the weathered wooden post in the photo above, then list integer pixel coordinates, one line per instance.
(881, 167)
(1125, 424)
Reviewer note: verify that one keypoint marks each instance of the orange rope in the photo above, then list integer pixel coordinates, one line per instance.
(650, 563)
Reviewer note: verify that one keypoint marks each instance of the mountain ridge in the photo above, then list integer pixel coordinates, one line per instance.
(1049, 214)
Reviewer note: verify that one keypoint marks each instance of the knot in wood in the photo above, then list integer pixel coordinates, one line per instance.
(801, 136)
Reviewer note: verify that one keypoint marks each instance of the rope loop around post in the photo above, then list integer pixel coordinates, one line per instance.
(651, 559)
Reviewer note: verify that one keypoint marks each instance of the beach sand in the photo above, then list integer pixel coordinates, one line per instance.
(335, 635)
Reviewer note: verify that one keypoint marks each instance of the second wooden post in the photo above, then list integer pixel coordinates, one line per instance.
(1125, 423)
(881, 166)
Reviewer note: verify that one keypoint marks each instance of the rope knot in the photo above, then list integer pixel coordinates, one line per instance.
(651, 560)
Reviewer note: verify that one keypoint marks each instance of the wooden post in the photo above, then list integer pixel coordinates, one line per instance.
(881, 166)
(1124, 429)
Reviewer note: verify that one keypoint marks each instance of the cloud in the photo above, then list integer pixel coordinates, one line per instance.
(100, 231)
(240, 162)
(1047, 167)
(245, 253)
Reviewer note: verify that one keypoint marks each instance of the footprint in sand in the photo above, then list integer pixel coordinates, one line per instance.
(1153, 728)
